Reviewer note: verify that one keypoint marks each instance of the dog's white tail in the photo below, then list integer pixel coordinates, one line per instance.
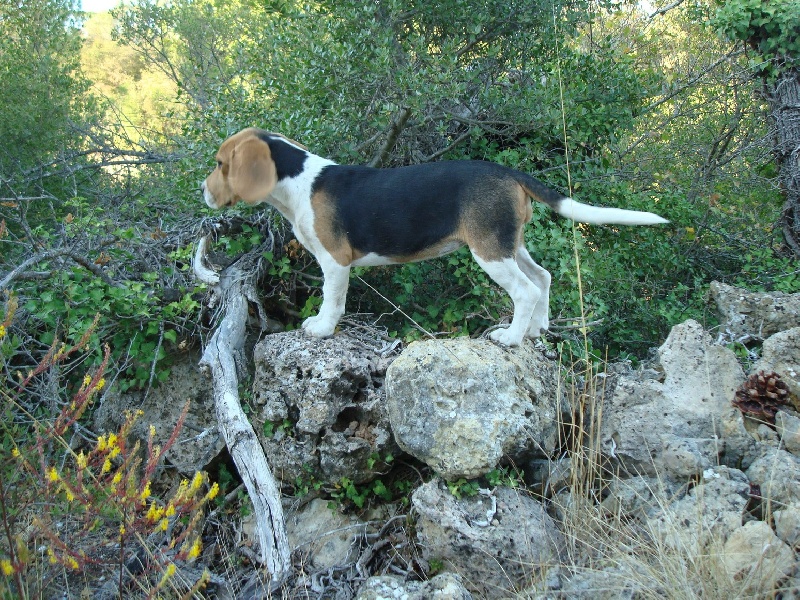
(586, 213)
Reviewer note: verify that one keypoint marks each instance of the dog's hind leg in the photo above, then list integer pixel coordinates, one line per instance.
(524, 294)
(540, 320)
(334, 294)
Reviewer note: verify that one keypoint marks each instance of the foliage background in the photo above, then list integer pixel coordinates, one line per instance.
(122, 113)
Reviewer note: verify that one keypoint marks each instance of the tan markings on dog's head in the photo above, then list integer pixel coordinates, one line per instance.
(332, 238)
(245, 171)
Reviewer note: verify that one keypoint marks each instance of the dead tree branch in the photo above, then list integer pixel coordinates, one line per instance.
(220, 358)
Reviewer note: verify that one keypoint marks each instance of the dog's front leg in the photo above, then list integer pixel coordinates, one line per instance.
(334, 293)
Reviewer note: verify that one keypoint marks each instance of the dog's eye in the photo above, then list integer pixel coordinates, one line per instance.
(219, 164)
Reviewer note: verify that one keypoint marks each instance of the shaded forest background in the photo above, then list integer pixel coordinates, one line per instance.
(110, 121)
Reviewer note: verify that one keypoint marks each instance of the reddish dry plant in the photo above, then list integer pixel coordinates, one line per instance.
(761, 396)
(108, 486)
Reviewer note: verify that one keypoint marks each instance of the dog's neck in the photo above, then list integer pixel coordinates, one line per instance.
(292, 195)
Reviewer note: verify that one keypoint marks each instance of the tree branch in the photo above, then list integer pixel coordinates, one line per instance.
(395, 129)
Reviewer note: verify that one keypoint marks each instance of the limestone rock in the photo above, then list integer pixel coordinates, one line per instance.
(637, 495)
(685, 423)
(777, 473)
(755, 315)
(445, 586)
(318, 407)
(462, 405)
(787, 524)
(781, 353)
(788, 427)
(199, 440)
(755, 555)
(321, 536)
(709, 512)
(493, 540)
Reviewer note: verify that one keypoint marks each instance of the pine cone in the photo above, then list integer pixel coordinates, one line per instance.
(761, 396)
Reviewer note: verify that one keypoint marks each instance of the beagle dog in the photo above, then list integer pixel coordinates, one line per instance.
(352, 216)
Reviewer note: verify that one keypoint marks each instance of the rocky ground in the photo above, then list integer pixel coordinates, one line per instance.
(457, 469)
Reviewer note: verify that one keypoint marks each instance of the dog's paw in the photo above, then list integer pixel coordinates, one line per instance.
(537, 330)
(319, 327)
(505, 337)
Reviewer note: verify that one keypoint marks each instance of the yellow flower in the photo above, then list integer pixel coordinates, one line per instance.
(117, 477)
(70, 495)
(194, 552)
(82, 460)
(163, 524)
(86, 380)
(15, 452)
(145, 492)
(5, 565)
(122, 530)
(170, 510)
(197, 481)
(212, 493)
(154, 513)
(71, 563)
(106, 466)
(152, 430)
(168, 572)
(101, 443)
(52, 475)
(2, 334)
(100, 384)
(112, 440)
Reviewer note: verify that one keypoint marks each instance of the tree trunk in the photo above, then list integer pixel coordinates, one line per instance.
(785, 106)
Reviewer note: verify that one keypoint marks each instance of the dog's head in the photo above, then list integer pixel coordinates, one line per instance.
(245, 171)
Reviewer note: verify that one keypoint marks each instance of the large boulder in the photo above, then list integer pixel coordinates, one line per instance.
(746, 315)
(462, 405)
(199, 441)
(318, 407)
(495, 540)
(679, 422)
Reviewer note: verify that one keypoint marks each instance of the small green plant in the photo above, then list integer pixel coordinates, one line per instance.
(504, 476)
(348, 491)
(461, 488)
(272, 427)
(306, 481)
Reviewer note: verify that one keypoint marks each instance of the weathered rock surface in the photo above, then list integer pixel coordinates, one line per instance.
(446, 586)
(462, 405)
(322, 537)
(318, 406)
(710, 512)
(787, 524)
(754, 315)
(685, 423)
(494, 540)
(788, 428)
(777, 473)
(754, 555)
(199, 440)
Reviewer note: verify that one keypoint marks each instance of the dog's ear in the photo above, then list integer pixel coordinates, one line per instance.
(252, 175)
